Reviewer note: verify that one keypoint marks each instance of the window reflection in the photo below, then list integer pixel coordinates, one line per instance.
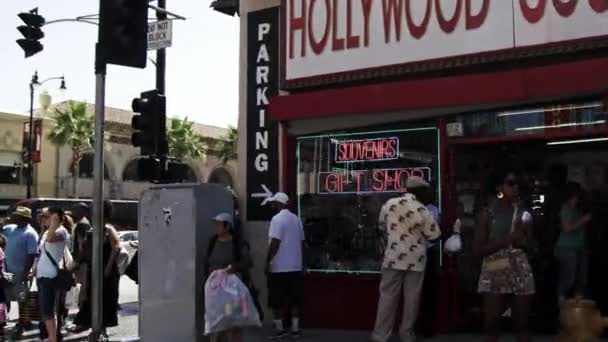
(343, 181)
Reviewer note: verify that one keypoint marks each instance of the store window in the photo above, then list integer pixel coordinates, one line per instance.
(11, 168)
(343, 181)
(534, 121)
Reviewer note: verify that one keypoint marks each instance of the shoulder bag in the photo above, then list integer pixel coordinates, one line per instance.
(500, 261)
(65, 278)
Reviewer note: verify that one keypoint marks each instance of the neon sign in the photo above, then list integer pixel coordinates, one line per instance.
(367, 150)
(369, 181)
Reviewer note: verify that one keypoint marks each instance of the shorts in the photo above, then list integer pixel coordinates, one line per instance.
(515, 277)
(47, 295)
(285, 289)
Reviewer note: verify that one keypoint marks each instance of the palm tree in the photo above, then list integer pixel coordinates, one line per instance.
(75, 128)
(229, 145)
(184, 141)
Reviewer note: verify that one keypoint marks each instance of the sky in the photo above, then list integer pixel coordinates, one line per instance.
(202, 64)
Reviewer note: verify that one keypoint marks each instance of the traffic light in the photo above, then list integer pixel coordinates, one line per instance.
(31, 32)
(149, 169)
(229, 7)
(123, 30)
(165, 170)
(150, 125)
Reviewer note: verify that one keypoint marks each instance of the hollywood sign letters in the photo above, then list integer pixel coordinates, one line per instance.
(332, 36)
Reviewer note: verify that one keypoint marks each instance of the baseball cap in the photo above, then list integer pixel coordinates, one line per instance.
(416, 182)
(223, 217)
(280, 197)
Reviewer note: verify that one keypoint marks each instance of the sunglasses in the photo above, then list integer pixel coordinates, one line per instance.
(511, 182)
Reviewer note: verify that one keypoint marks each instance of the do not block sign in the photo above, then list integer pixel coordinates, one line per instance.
(160, 34)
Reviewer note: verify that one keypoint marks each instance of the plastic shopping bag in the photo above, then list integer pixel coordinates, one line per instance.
(228, 304)
(71, 297)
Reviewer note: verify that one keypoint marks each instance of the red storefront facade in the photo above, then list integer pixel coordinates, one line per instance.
(420, 74)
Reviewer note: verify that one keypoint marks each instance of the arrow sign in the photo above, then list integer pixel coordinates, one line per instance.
(266, 194)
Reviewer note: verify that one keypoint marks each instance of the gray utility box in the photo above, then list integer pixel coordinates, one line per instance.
(174, 230)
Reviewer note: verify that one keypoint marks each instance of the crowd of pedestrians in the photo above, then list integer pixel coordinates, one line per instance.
(410, 224)
(41, 265)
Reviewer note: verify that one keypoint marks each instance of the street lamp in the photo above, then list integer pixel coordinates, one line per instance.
(34, 84)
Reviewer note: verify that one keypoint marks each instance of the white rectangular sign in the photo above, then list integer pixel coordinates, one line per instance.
(334, 36)
(160, 34)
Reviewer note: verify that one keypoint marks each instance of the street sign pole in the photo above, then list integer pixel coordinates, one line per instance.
(98, 224)
(30, 145)
(161, 60)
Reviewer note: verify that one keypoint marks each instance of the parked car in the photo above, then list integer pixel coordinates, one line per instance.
(128, 235)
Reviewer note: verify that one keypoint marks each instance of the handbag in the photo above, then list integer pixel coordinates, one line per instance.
(28, 304)
(65, 278)
(7, 280)
(501, 262)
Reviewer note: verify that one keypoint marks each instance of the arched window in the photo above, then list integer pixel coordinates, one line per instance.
(130, 172)
(221, 176)
(86, 167)
(190, 176)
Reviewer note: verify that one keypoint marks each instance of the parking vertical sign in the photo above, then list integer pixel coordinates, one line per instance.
(262, 133)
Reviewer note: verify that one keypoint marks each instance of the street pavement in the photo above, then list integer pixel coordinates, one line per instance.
(127, 330)
(128, 327)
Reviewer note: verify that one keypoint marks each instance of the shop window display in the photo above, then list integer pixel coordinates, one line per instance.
(547, 119)
(343, 181)
(570, 147)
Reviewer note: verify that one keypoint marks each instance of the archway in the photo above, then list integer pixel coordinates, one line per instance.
(86, 167)
(221, 176)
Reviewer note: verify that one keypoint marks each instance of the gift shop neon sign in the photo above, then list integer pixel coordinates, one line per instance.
(369, 181)
(367, 150)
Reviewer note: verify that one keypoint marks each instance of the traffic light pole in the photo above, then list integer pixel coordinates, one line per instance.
(98, 224)
(161, 66)
(30, 145)
(161, 55)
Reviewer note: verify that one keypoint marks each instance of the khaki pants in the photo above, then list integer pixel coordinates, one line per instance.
(392, 284)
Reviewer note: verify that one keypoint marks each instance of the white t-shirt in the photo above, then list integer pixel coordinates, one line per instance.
(45, 268)
(288, 228)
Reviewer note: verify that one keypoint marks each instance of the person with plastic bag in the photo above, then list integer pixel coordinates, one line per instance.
(229, 305)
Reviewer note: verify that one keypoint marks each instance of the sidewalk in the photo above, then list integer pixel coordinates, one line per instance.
(363, 336)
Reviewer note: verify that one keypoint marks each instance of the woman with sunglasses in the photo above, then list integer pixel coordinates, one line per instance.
(506, 274)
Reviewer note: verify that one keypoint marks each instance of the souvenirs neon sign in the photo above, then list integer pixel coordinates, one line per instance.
(369, 181)
(367, 150)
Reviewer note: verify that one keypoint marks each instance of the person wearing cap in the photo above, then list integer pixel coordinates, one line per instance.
(21, 251)
(284, 265)
(226, 251)
(408, 225)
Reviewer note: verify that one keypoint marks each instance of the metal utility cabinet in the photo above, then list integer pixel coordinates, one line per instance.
(174, 230)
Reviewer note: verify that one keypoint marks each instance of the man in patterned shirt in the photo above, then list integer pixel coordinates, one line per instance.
(408, 225)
